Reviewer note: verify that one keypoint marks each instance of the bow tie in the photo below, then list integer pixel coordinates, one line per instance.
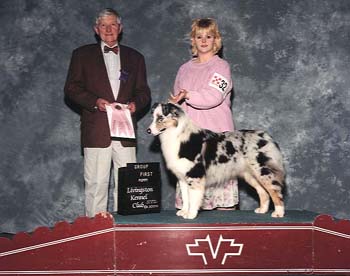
(115, 49)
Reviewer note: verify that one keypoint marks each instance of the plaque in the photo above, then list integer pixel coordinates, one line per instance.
(139, 189)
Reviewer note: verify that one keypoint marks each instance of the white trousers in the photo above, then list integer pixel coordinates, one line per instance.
(97, 169)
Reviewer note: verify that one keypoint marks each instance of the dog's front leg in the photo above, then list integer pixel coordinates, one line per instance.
(196, 193)
(184, 195)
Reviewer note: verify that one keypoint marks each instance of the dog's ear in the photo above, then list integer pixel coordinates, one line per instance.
(154, 106)
(166, 109)
(170, 108)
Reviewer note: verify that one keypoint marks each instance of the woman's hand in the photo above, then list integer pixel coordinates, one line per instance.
(183, 94)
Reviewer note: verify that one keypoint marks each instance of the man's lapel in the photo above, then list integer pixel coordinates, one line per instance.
(101, 70)
(124, 74)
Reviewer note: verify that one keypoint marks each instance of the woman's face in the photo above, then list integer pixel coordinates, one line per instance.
(204, 42)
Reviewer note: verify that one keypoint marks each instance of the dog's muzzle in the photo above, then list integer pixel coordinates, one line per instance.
(149, 131)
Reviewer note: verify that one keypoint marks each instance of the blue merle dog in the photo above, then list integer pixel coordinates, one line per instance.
(199, 158)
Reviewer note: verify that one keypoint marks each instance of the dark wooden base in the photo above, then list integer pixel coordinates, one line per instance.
(215, 243)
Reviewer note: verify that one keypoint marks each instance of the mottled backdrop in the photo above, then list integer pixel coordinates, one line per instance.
(290, 64)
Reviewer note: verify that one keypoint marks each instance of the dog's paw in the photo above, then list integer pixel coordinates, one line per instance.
(186, 214)
(278, 213)
(190, 215)
(181, 213)
(260, 211)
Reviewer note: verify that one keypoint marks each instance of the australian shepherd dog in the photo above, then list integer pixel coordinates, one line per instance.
(199, 158)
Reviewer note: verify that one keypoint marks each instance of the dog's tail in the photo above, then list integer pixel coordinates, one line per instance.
(274, 160)
(279, 174)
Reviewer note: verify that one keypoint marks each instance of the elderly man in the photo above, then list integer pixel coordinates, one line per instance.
(99, 75)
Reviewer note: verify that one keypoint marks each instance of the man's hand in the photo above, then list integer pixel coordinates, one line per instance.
(101, 104)
(132, 107)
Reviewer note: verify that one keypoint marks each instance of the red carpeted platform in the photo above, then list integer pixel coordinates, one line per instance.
(215, 243)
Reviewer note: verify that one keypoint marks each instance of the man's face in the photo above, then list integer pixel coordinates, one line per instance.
(108, 29)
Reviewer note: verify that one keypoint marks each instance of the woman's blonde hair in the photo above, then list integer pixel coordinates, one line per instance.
(205, 24)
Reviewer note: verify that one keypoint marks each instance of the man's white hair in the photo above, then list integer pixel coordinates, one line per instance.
(107, 12)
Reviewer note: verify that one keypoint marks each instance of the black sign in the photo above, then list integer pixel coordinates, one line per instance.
(139, 189)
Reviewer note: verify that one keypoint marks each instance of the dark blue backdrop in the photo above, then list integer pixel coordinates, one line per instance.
(290, 65)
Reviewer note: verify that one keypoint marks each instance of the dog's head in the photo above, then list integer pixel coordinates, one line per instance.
(165, 116)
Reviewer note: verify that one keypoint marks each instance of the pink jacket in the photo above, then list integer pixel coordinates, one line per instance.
(209, 85)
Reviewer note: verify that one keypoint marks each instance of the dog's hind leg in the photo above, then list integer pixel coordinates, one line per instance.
(184, 196)
(274, 188)
(264, 197)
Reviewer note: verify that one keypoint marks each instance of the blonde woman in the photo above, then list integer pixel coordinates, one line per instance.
(203, 85)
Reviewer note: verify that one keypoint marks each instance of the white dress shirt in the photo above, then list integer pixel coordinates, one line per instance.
(112, 62)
